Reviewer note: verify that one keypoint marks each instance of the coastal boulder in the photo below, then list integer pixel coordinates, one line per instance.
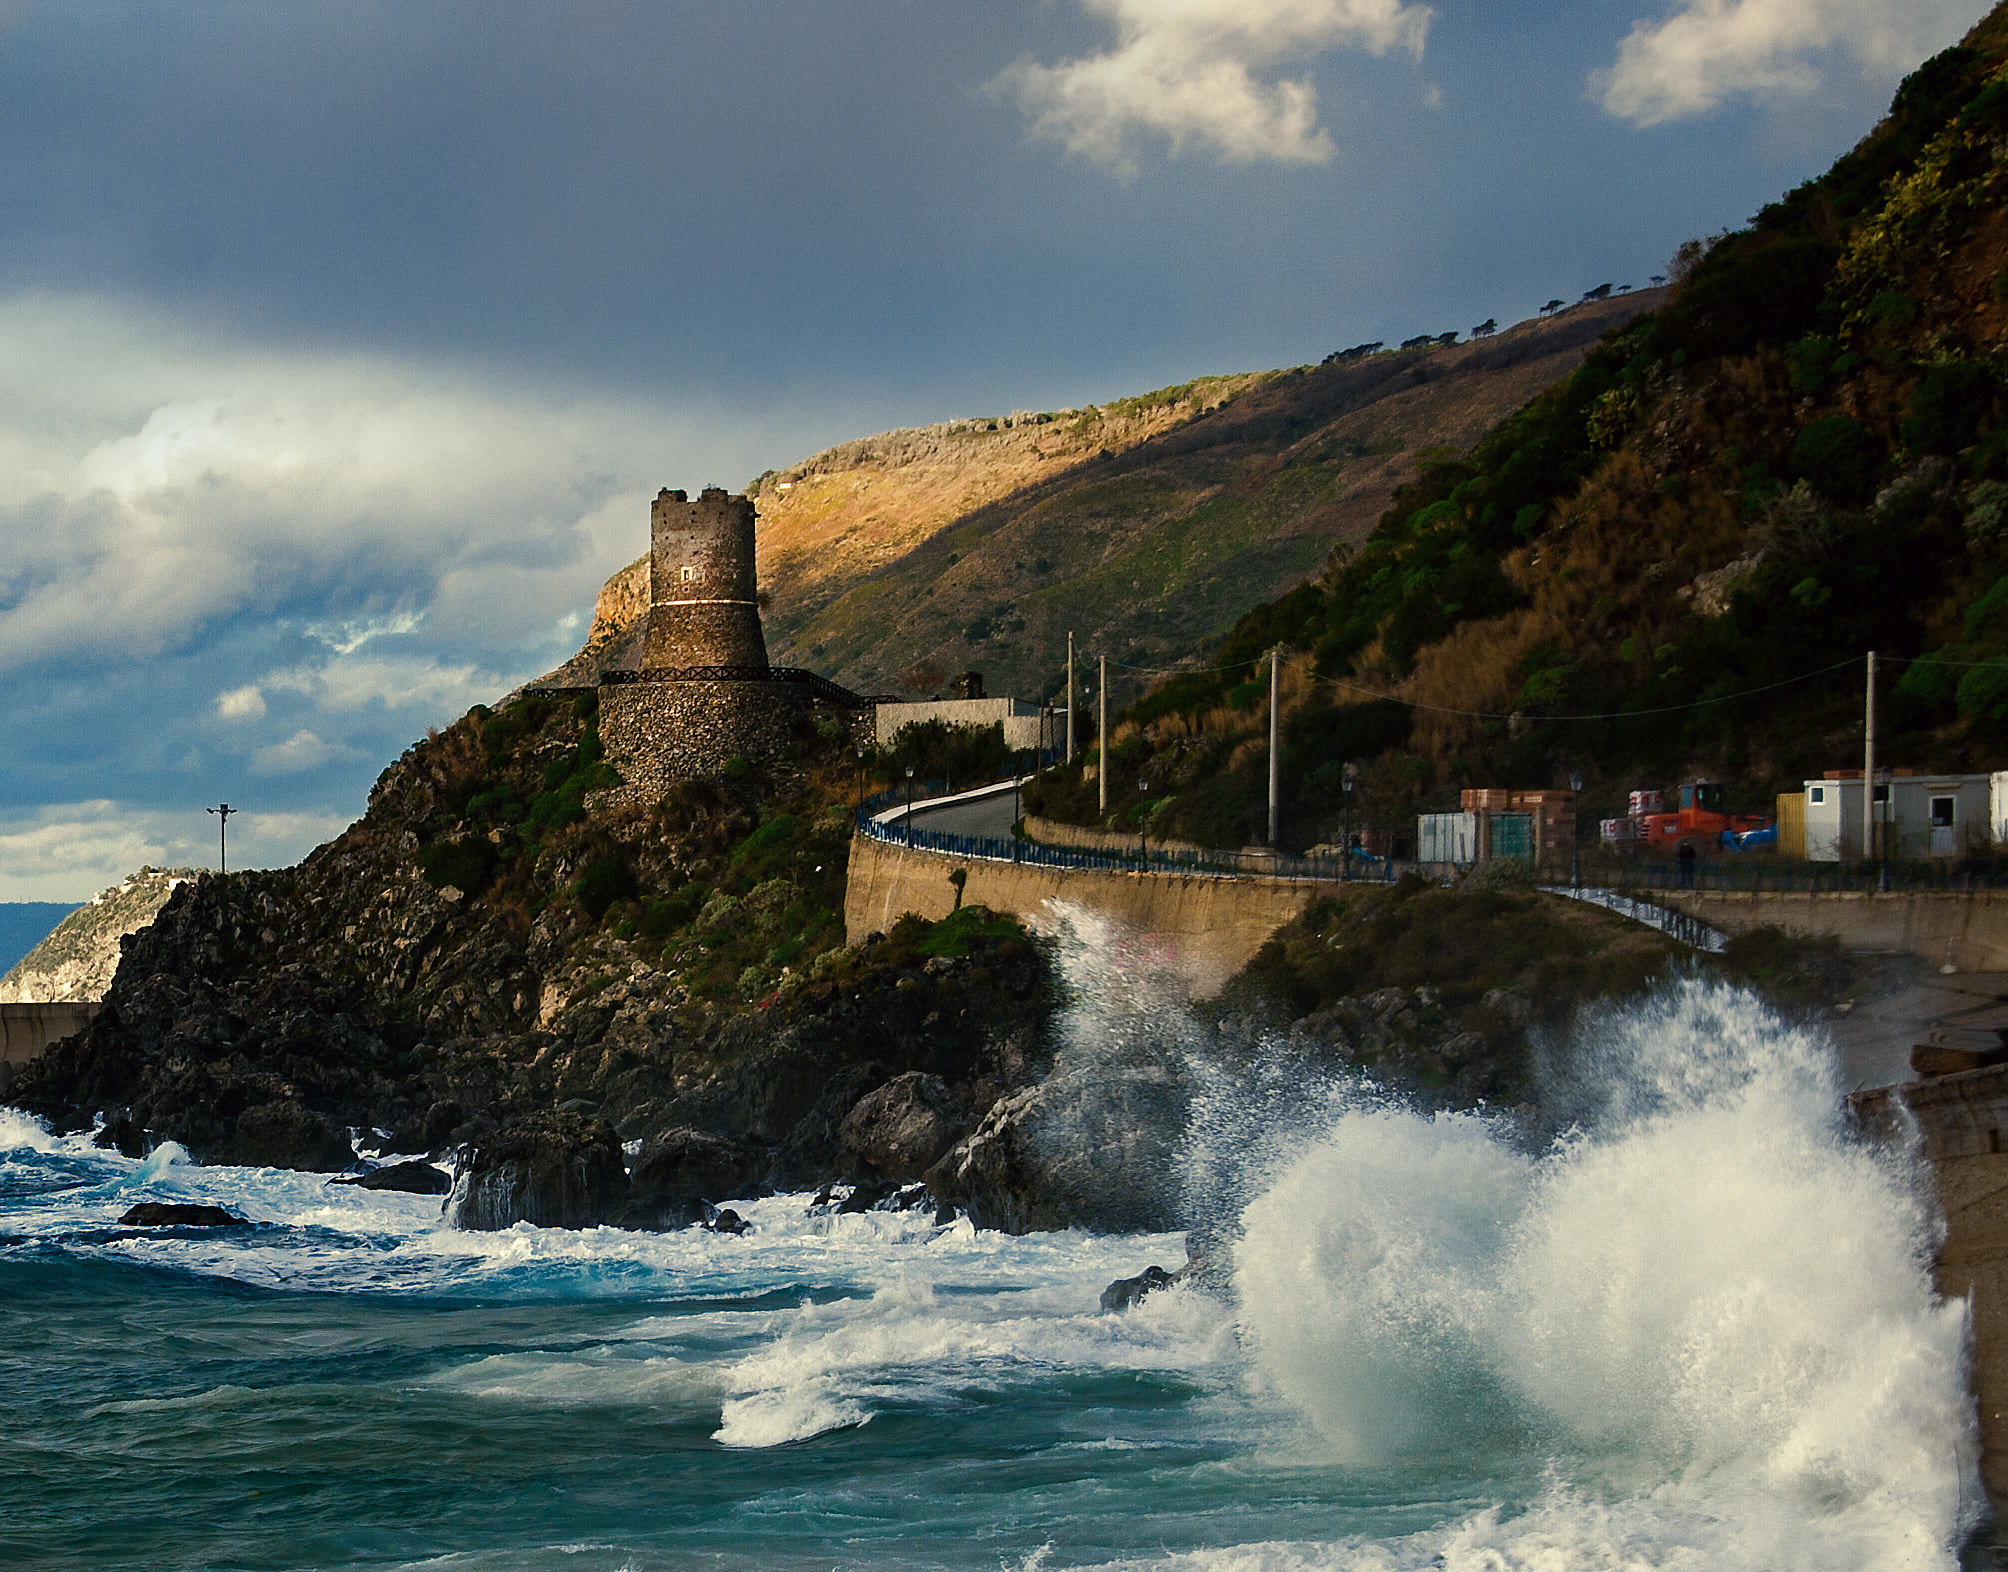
(1091, 1146)
(897, 1132)
(678, 1171)
(1126, 1291)
(554, 1170)
(285, 1135)
(179, 1214)
(417, 1177)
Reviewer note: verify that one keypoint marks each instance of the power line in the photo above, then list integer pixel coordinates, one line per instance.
(1664, 709)
(1507, 715)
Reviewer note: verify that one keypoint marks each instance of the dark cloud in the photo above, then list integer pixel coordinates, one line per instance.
(342, 345)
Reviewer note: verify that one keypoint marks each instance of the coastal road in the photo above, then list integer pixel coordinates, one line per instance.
(989, 810)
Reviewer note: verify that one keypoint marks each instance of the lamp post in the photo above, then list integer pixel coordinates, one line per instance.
(1575, 834)
(909, 805)
(1143, 820)
(222, 813)
(861, 785)
(1346, 836)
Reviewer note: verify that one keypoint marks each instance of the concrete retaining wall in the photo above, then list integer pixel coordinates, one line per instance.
(1206, 929)
(1969, 929)
(26, 1029)
(1960, 1120)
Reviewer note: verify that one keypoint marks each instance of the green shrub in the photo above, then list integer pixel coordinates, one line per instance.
(659, 919)
(1839, 457)
(1983, 692)
(603, 880)
(465, 865)
(1949, 407)
(1810, 361)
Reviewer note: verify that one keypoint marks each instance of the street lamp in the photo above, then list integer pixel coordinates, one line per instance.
(1346, 850)
(909, 805)
(861, 785)
(1143, 820)
(1575, 834)
(222, 835)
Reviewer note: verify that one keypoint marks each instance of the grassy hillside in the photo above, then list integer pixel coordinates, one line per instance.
(1796, 458)
(1148, 525)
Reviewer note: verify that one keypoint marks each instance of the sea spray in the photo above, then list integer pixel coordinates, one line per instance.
(1706, 1300)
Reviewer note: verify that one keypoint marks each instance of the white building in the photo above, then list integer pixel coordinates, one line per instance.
(1928, 815)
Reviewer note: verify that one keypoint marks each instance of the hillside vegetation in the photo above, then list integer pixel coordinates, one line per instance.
(1148, 525)
(1693, 538)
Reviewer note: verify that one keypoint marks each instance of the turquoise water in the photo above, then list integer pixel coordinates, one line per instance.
(1697, 1334)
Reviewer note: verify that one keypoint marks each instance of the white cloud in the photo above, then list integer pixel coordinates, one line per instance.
(395, 682)
(72, 851)
(245, 703)
(156, 486)
(1708, 51)
(347, 637)
(1189, 70)
(301, 751)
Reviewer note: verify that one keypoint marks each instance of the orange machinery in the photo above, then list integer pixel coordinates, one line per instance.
(1698, 820)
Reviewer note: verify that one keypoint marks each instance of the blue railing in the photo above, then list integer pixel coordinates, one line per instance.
(1194, 861)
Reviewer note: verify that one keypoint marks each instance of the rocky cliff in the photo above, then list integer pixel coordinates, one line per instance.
(490, 946)
(75, 963)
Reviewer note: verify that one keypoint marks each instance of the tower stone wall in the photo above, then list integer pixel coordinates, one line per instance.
(704, 607)
(703, 695)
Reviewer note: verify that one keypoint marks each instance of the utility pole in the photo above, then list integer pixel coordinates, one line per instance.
(222, 813)
(1070, 698)
(1102, 735)
(1869, 769)
(1275, 752)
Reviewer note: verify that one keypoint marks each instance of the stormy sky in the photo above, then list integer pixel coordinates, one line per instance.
(342, 346)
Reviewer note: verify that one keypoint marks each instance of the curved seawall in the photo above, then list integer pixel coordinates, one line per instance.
(1203, 928)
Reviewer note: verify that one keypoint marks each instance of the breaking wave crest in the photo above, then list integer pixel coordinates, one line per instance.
(1705, 1302)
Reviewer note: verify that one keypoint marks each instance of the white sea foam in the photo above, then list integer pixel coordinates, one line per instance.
(1708, 1298)
(912, 1345)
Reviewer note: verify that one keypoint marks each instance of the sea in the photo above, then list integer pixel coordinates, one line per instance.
(1693, 1329)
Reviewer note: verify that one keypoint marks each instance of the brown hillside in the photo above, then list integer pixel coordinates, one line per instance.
(1147, 526)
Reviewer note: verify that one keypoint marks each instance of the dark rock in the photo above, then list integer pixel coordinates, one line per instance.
(1931, 1059)
(123, 1135)
(178, 1214)
(555, 1170)
(865, 1197)
(430, 1131)
(899, 1131)
(1126, 1291)
(285, 1135)
(1091, 1146)
(679, 1172)
(416, 1177)
(727, 1222)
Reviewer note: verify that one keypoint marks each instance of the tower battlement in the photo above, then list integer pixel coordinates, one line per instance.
(704, 607)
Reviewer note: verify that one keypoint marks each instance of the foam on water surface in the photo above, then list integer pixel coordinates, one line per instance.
(1697, 1330)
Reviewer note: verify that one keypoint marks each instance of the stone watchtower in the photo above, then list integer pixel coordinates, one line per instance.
(704, 608)
(703, 698)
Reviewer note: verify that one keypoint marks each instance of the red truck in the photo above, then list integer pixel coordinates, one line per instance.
(1699, 820)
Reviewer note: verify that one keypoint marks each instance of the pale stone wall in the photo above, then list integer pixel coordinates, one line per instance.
(1966, 928)
(27, 1029)
(1206, 929)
